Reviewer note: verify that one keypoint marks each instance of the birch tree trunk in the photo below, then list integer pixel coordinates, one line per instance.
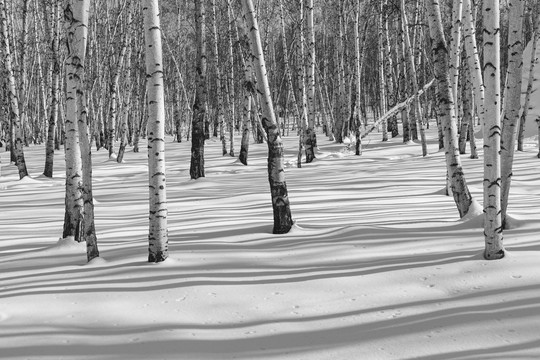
(113, 111)
(76, 18)
(382, 75)
(249, 91)
(475, 68)
(199, 107)
(311, 136)
(157, 235)
(416, 103)
(533, 60)
(231, 94)
(358, 77)
(300, 75)
(220, 110)
(493, 230)
(455, 46)
(446, 109)
(17, 133)
(55, 87)
(512, 103)
(276, 173)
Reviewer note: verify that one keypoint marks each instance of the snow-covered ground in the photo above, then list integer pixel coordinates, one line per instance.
(378, 265)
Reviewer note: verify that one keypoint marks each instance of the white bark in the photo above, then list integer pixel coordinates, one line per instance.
(276, 174)
(512, 103)
(157, 234)
(473, 59)
(17, 141)
(446, 110)
(493, 231)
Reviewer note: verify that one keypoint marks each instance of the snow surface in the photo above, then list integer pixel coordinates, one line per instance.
(377, 266)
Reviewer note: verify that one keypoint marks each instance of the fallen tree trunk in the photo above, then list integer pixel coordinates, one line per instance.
(397, 108)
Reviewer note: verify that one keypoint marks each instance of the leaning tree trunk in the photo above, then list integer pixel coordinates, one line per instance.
(446, 110)
(276, 173)
(17, 134)
(199, 107)
(493, 230)
(113, 111)
(157, 233)
(512, 103)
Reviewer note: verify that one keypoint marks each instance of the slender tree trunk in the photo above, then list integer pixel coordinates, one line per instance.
(113, 111)
(446, 110)
(512, 103)
(358, 78)
(382, 75)
(455, 46)
(493, 230)
(55, 87)
(300, 73)
(475, 68)
(276, 174)
(231, 94)
(199, 107)
(416, 103)
(535, 39)
(157, 234)
(219, 90)
(17, 133)
(310, 136)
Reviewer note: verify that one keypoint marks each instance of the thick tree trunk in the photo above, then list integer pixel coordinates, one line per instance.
(493, 230)
(157, 234)
(446, 110)
(76, 16)
(276, 173)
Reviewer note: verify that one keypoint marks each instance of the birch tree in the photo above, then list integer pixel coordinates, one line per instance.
(311, 136)
(219, 92)
(533, 60)
(199, 106)
(76, 18)
(512, 103)
(16, 121)
(157, 233)
(276, 173)
(54, 36)
(493, 230)
(446, 109)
